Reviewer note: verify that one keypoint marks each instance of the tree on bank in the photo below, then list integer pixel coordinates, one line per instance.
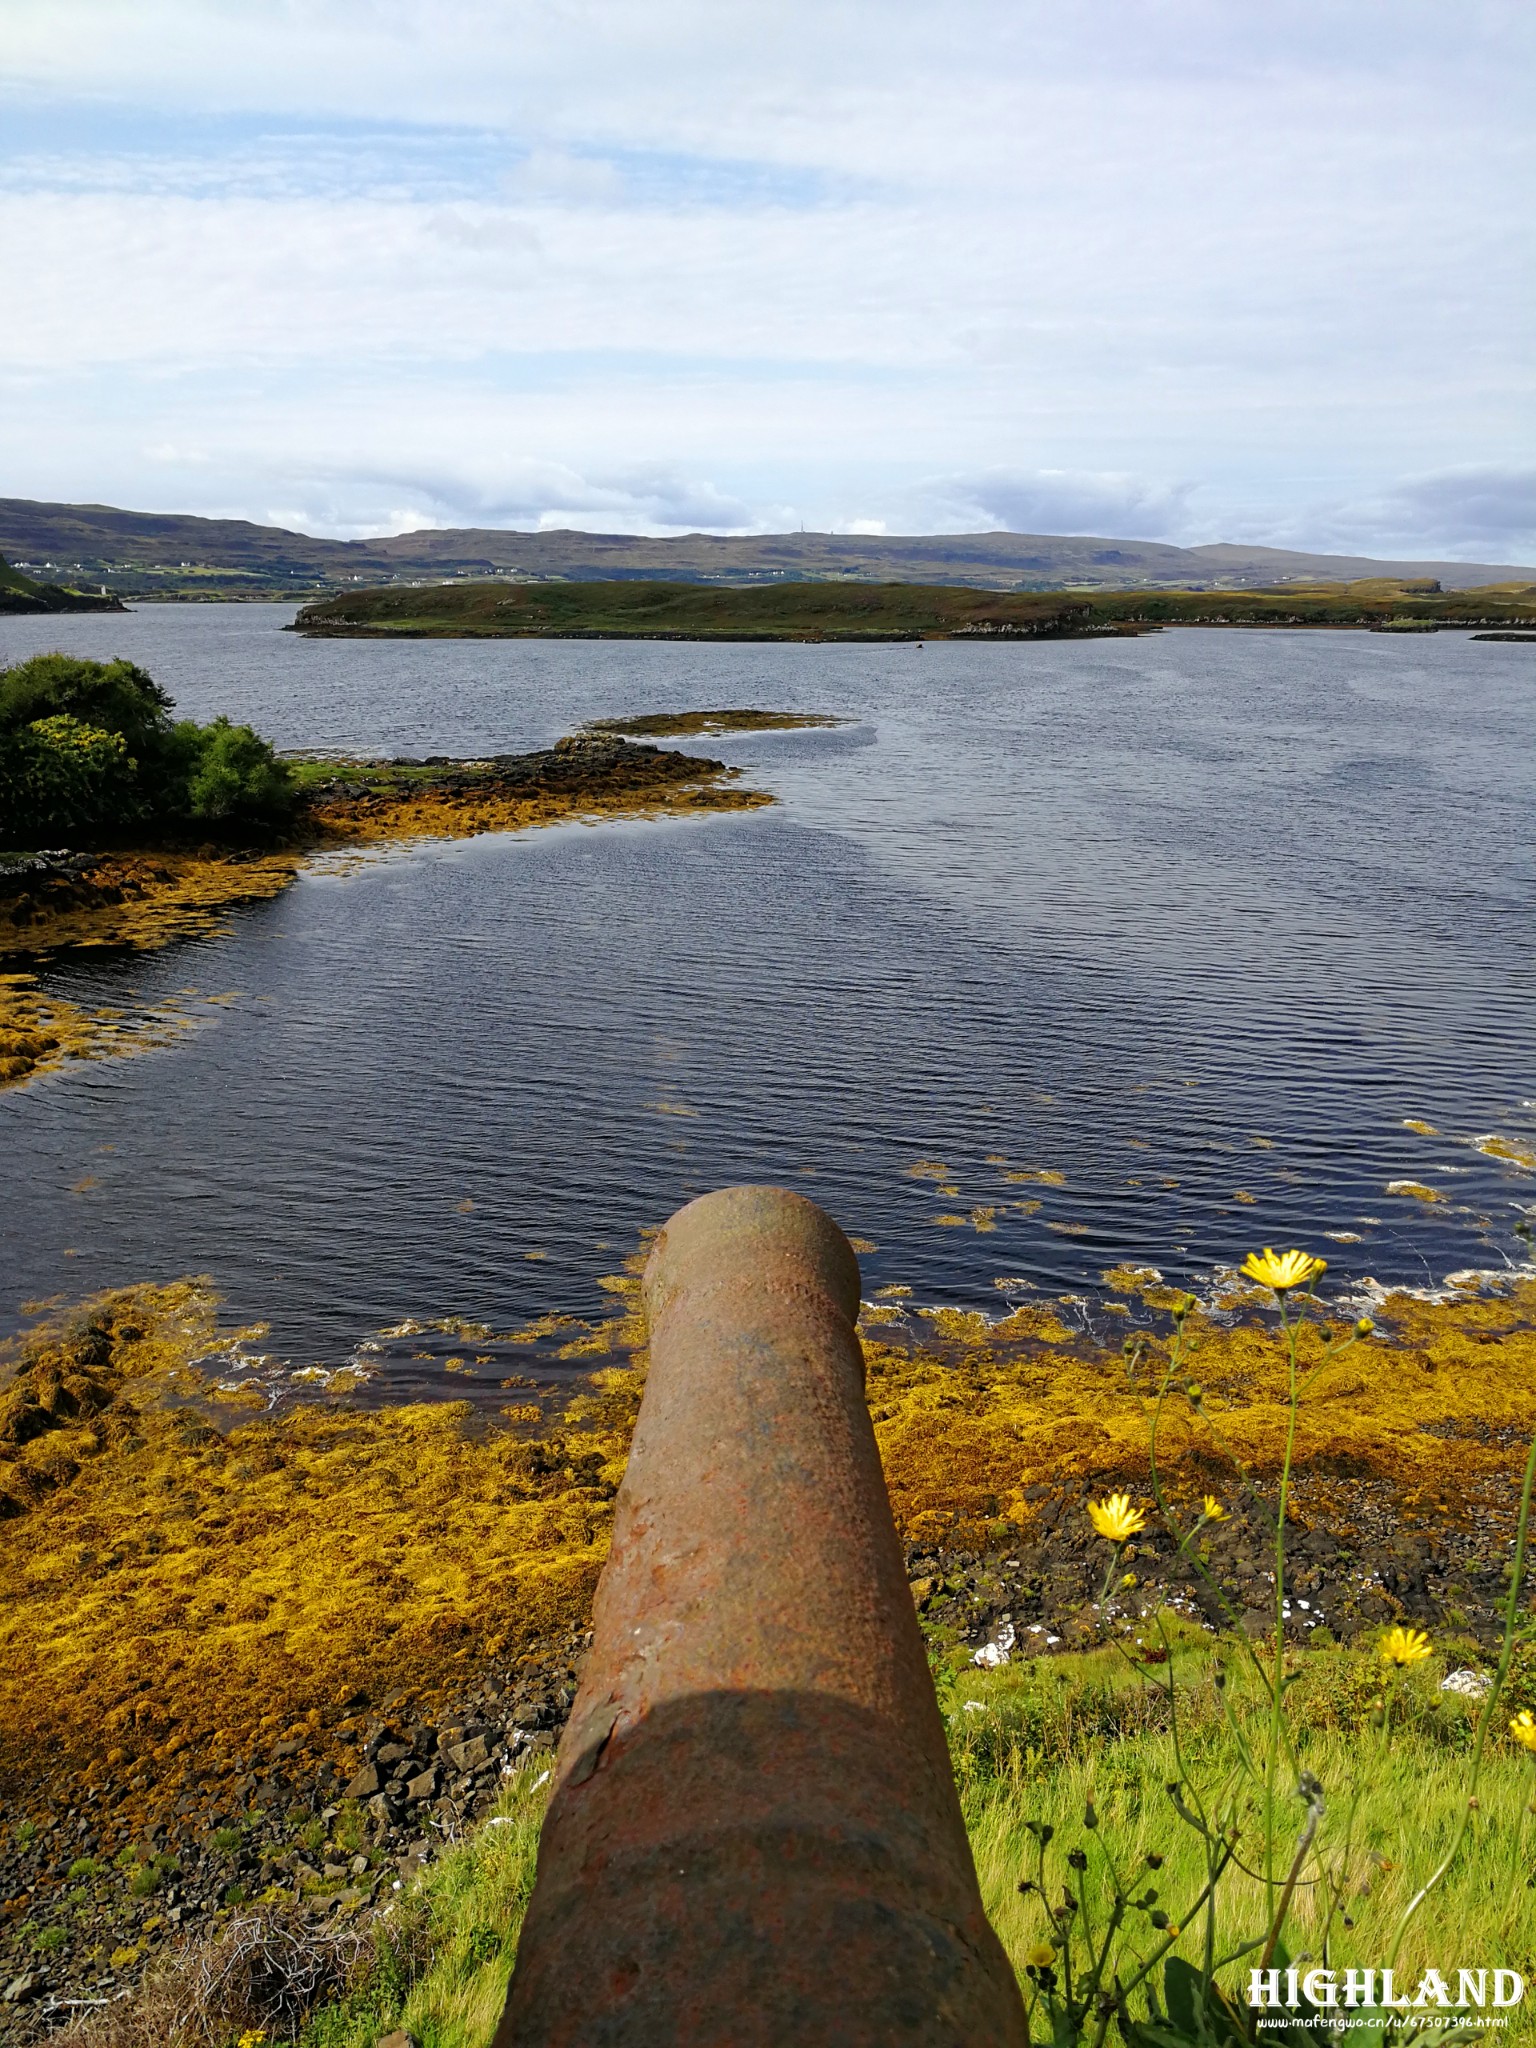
(89, 754)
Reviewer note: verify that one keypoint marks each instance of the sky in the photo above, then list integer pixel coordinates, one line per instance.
(1185, 270)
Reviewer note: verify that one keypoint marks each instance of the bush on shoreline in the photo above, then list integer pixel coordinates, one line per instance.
(89, 752)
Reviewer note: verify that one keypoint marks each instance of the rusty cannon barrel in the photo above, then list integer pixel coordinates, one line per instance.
(754, 1839)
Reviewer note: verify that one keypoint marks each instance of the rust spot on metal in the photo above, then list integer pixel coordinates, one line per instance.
(754, 1836)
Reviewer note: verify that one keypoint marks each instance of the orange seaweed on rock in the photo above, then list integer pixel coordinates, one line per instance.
(142, 901)
(1435, 1423)
(167, 1587)
(673, 783)
(40, 1031)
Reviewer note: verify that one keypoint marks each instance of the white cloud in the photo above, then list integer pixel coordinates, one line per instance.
(558, 176)
(1058, 501)
(1471, 514)
(351, 503)
(1162, 268)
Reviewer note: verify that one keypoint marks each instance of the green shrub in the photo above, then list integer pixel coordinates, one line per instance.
(232, 774)
(114, 695)
(89, 749)
(62, 779)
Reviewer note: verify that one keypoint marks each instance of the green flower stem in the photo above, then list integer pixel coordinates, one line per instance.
(1277, 1689)
(1485, 1719)
(1303, 1847)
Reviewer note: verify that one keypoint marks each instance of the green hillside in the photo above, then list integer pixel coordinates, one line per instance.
(181, 555)
(885, 611)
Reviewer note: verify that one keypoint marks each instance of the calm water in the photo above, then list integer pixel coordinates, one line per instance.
(1180, 919)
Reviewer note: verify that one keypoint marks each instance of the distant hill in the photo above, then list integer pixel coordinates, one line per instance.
(847, 610)
(20, 593)
(170, 554)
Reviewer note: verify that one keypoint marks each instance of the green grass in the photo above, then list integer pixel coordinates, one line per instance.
(1042, 1750)
(383, 775)
(1035, 1744)
(449, 1941)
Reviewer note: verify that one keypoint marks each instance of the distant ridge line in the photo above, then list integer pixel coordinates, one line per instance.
(184, 554)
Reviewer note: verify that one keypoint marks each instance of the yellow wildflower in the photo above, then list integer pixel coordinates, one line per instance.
(1211, 1509)
(1283, 1270)
(1404, 1646)
(1041, 1956)
(1523, 1729)
(1115, 1519)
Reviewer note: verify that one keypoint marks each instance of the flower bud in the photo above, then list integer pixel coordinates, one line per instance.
(1364, 1327)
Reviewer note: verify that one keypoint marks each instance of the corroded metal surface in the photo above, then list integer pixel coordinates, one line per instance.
(754, 1838)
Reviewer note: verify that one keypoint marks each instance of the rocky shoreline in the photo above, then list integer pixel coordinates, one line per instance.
(88, 1904)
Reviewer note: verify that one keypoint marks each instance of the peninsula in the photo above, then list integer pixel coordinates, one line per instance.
(873, 612)
(130, 830)
(20, 593)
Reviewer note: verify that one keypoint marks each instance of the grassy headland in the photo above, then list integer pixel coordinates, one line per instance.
(20, 593)
(155, 828)
(885, 611)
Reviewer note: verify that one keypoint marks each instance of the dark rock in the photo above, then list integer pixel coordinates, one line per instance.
(424, 1786)
(365, 1784)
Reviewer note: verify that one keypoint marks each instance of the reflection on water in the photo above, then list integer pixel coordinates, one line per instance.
(1148, 951)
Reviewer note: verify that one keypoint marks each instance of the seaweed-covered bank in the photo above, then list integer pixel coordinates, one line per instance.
(288, 1657)
(58, 904)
